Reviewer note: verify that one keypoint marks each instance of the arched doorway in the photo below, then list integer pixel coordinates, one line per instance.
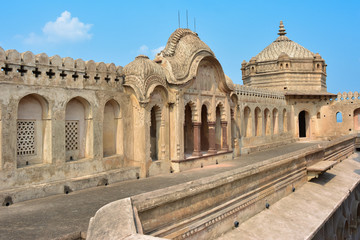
(154, 132)
(258, 122)
(356, 119)
(204, 133)
(304, 124)
(188, 131)
(218, 129)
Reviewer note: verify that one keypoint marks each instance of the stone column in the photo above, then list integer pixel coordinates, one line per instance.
(212, 148)
(225, 146)
(197, 146)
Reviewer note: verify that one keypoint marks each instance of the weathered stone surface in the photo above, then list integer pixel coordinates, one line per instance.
(113, 221)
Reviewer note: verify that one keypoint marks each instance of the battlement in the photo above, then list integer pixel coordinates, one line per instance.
(30, 69)
(346, 96)
(242, 90)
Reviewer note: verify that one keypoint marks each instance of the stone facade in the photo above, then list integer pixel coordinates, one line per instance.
(64, 122)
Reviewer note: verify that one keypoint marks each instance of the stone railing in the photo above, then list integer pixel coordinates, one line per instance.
(346, 96)
(246, 91)
(29, 69)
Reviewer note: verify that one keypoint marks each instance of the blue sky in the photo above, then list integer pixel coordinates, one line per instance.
(117, 31)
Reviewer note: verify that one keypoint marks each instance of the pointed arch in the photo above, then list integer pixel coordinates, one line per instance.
(267, 122)
(155, 119)
(285, 121)
(258, 122)
(275, 121)
(189, 129)
(247, 122)
(33, 130)
(204, 132)
(78, 129)
(112, 129)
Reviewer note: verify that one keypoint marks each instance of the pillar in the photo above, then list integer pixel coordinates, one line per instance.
(225, 146)
(212, 148)
(197, 151)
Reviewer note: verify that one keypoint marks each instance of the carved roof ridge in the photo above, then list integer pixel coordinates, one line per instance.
(174, 40)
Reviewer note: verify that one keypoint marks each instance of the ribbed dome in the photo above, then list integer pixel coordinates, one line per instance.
(143, 67)
(283, 45)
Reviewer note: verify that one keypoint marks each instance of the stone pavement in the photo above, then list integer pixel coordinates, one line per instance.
(299, 215)
(59, 215)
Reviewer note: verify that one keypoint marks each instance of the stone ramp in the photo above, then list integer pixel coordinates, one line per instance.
(60, 215)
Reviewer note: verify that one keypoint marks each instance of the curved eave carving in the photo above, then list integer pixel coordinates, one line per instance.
(144, 87)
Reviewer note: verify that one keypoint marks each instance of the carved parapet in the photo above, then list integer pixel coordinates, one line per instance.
(346, 96)
(29, 69)
(253, 92)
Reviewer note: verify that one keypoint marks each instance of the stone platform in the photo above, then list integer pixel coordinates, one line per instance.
(65, 216)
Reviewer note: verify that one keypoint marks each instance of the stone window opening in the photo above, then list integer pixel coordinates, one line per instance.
(318, 115)
(339, 117)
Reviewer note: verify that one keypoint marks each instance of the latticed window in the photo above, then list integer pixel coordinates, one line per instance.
(72, 135)
(26, 138)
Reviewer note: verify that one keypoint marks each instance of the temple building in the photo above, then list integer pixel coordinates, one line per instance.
(67, 125)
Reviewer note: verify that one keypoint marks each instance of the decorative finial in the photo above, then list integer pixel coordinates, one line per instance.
(282, 29)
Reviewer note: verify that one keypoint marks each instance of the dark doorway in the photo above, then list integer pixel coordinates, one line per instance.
(188, 131)
(302, 124)
(204, 138)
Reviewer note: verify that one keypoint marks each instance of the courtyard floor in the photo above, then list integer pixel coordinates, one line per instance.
(56, 216)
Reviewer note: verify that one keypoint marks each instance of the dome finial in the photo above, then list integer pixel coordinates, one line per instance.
(282, 29)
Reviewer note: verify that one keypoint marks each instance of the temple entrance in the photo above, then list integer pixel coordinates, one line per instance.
(204, 133)
(303, 124)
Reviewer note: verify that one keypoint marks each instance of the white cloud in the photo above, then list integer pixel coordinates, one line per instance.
(157, 50)
(64, 29)
(145, 50)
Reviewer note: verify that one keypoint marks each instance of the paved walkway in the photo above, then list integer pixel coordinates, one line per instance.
(59, 215)
(302, 213)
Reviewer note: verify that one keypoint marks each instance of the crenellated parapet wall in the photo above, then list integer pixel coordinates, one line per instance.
(30, 69)
(246, 92)
(346, 96)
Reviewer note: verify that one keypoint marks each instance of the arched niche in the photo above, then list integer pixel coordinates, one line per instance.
(204, 131)
(258, 122)
(78, 126)
(247, 122)
(218, 128)
(285, 121)
(32, 130)
(112, 129)
(267, 122)
(275, 121)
